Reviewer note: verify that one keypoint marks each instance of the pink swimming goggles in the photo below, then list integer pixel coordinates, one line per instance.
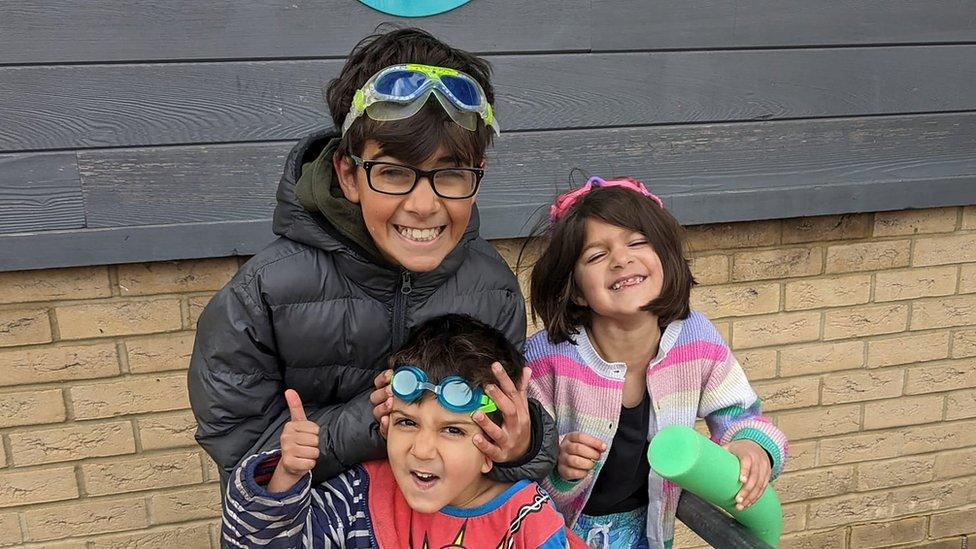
(566, 200)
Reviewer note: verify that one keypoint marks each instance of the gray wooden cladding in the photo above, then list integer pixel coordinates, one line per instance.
(141, 131)
(135, 105)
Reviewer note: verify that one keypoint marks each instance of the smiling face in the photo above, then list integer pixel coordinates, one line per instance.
(433, 458)
(617, 272)
(417, 230)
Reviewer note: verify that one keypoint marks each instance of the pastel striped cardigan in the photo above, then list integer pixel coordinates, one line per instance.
(693, 375)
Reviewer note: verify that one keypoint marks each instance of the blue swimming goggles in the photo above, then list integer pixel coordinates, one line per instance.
(400, 91)
(453, 392)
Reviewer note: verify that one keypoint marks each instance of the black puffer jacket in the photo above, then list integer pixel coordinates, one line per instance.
(317, 313)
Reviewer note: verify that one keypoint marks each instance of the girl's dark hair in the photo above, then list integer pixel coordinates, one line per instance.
(459, 345)
(415, 139)
(553, 286)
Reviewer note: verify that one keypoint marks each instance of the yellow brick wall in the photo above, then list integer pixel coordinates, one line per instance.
(858, 331)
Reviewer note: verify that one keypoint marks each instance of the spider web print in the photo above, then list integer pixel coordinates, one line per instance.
(524, 511)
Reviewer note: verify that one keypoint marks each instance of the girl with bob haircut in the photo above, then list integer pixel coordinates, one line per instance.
(623, 356)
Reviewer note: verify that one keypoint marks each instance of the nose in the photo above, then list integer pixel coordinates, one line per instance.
(621, 257)
(424, 445)
(422, 201)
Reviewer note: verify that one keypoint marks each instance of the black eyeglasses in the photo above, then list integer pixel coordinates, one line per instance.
(397, 179)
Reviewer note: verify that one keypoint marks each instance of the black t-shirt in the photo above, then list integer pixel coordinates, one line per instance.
(622, 483)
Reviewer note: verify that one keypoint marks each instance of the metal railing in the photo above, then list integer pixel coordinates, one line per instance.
(714, 526)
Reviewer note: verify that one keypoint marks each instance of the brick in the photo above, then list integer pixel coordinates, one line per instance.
(941, 376)
(776, 330)
(119, 318)
(944, 313)
(826, 227)
(821, 357)
(31, 407)
(210, 471)
(945, 250)
(759, 364)
(199, 502)
(130, 395)
(740, 300)
(953, 523)
(908, 349)
(24, 327)
(54, 284)
(835, 291)
(723, 236)
(791, 393)
(859, 386)
(72, 442)
(903, 411)
(941, 436)
(94, 516)
(887, 534)
(909, 222)
(865, 321)
(160, 353)
(877, 475)
(831, 539)
(803, 455)
(967, 279)
(820, 422)
(915, 283)
(964, 343)
(780, 263)
(171, 430)
(968, 218)
(848, 509)
(724, 330)
(684, 537)
(42, 365)
(710, 269)
(175, 276)
(961, 404)
(924, 498)
(38, 486)
(10, 529)
(948, 543)
(868, 256)
(130, 475)
(815, 483)
(196, 306)
(794, 517)
(186, 535)
(861, 447)
(958, 463)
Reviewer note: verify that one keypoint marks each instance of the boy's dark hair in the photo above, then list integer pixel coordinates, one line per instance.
(459, 345)
(414, 139)
(553, 286)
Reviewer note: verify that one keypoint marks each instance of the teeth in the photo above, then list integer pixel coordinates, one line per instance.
(420, 235)
(424, 476)
(627, 282)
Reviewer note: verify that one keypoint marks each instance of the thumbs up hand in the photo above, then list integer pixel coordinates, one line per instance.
(299, 446)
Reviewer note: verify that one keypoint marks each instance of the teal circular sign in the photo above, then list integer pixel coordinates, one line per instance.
(414, 8)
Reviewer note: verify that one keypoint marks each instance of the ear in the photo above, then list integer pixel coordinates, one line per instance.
(487, 466)
(345, 170)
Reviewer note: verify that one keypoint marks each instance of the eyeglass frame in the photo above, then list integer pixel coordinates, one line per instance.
(367, 165)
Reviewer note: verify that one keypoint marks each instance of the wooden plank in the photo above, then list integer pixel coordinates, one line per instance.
(707, 173)
(60, 31)
(137, 105)
(40, 192)
(705, 24)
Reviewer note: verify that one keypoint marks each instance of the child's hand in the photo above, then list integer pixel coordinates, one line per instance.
(578, 454)
(382, 400)
(754, 471)
(512, 439)
(299, 446)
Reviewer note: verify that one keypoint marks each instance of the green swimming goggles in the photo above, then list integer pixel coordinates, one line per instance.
(453, 392)
(400, 91)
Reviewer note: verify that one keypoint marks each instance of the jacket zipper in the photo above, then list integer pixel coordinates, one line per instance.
(404, 287)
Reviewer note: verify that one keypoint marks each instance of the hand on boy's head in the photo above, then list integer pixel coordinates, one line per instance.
(754, 471)
(382, 400)
(299, 439)
(511, 440)
(578, 454)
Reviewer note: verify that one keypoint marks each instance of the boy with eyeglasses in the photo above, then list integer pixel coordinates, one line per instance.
(377, 232)
(431, 492)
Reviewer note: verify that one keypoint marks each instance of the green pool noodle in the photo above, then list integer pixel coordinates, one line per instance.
(695, 463)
